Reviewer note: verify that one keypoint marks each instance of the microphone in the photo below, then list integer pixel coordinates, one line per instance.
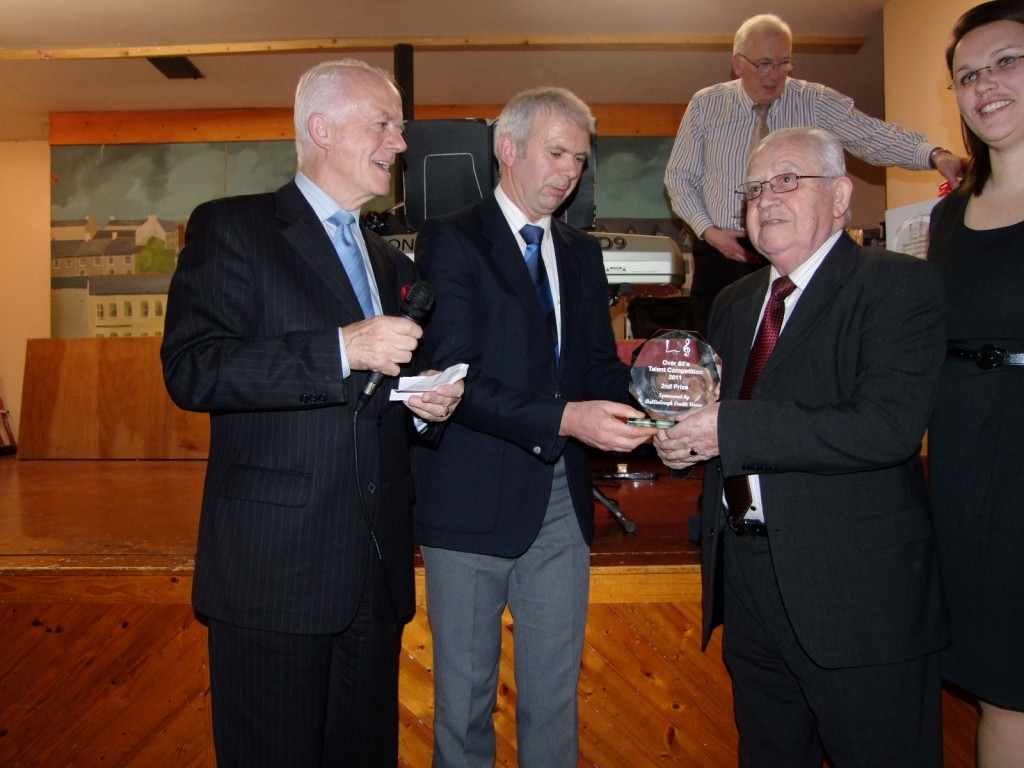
(417, 305)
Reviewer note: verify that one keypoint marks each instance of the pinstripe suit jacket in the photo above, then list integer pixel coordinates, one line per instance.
(251, 337)
(833, 428)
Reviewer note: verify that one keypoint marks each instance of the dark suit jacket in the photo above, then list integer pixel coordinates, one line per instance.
(833, 428)
(251, 336)
(485, 487)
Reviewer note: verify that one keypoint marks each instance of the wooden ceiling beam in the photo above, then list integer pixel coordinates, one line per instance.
(485, 43)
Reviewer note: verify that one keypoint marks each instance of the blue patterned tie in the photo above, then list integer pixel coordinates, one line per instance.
(352, 259)
(532, 235)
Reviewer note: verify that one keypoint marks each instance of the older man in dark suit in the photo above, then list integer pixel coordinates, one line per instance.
(280, 309)
(818, 553)
(504, 505)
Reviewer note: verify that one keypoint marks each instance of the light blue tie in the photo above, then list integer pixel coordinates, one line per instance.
(352, 260)
(532, 236)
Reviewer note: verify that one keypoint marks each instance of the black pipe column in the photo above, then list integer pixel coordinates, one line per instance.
(404, 78)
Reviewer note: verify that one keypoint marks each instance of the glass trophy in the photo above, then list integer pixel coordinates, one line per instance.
(674, 371)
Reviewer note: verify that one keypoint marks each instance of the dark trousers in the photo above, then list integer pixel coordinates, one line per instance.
(711, 273)
(309, 701)
(791, 712)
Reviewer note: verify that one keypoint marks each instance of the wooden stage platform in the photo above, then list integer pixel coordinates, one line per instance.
(104, 661)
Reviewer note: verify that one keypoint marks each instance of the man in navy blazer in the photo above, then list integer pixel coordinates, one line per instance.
(826, 579)
(304, 569)
(504, 505)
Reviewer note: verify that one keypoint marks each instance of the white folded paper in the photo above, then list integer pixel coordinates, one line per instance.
(417, 385)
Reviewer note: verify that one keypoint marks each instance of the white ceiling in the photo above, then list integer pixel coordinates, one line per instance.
(32, 86)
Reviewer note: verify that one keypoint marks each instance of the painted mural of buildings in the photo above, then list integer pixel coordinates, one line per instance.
(109, 306)
(111, 281)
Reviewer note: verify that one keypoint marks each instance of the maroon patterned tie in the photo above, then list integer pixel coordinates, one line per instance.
(737, 489)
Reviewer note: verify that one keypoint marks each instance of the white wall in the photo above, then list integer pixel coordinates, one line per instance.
(24, 261)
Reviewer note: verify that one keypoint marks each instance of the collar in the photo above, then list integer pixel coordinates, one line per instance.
(516, 218)
(323, 204)
(802, 275)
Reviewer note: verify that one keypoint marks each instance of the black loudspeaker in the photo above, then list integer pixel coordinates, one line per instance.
(450, 164)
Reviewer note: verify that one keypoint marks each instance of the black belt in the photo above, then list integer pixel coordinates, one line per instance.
(988, 356)
(746, 527)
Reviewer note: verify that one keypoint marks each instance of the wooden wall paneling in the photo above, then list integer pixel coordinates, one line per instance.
(171, 126)
(155, 127)
(103, 398)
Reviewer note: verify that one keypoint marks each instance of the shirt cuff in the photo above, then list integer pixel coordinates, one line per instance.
(346, 371)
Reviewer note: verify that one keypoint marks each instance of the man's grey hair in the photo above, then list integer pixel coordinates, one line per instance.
(765, 22)
(827, 148)
(322, 89)
(516, 119)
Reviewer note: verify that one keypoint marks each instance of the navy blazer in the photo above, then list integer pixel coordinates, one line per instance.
(484, 488)
(833, 428)
(251, 337)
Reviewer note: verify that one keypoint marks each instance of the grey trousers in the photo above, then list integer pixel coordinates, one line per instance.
(547, 589)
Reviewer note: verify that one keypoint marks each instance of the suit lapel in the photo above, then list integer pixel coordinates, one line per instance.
(508, 260)
(568, 288)
(306, 235)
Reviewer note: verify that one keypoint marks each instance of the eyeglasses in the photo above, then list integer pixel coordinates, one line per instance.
(765, 66)
(784, 182)
(1000, 66)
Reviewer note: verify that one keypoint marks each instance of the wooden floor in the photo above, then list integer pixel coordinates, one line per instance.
(104, 662)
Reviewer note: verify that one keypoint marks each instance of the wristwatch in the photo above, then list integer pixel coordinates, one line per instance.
(933, 153)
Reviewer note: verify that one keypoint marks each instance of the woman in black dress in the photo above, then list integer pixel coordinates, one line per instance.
(976, 439)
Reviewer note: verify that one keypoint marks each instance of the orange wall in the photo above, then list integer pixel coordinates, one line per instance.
(916, 34)
(24, 260)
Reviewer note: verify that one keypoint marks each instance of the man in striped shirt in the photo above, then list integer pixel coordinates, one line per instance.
(709, 157)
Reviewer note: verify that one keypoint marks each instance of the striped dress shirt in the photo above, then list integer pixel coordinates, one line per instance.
(709, 157)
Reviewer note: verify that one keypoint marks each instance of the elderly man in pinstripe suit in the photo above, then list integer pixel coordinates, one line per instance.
(304, 568)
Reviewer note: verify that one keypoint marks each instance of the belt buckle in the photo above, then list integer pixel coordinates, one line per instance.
(990, 356)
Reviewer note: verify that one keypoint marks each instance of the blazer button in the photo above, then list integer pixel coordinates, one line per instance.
(380, 421)
(371, 487)
(303, 399)
(536, 450)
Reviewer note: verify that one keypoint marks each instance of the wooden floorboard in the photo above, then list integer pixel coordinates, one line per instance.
(104, 662)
